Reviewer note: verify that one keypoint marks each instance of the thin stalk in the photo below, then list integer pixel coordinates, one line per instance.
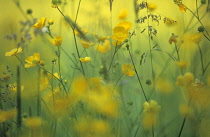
(201, 55)
(206, 68)
(137, 74)
(75, 41)
(59, 63)
(182, 127)
(177, 52)
(38, 94)
(115, 51)
(19, 106)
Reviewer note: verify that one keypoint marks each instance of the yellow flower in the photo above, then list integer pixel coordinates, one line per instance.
(185, 110)
(50, 22)
(196, 38)
(128, 70)
(86, 44)
(81, 32)
(33, 122)
(14, 52)
(180, 81)
(104, 48)
(85, 60)
(164, 85)
(123, 14)
(32, 61)
(120, 34)
(173, 39)
(57, 41)
(189, 78)
(182, 64)
(182, 8)
(101, 38)
(117, 43)
(125, 24)
(7, 115)
(151, 111)
(151, 6)
(40, 24)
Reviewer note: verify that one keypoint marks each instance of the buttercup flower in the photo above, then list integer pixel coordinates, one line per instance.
(57, 41)
(151, 6)
(104, 48)
(120, 33)
(182, 64)
(86, 44)
(80, 32)
(125, 24)
(128, 70)
(196, 38)
(123, 14)
(182, 8)
(32, 61)
(14, 52)
(40, 24)
(85, 60)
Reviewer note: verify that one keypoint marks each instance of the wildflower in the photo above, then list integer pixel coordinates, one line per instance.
(101, 38)
(123, 14)
(182, 8)
(80, 33)
(189, 78)
(173, 39)
(125, 24)
(151, 111)
(128, 70)
(196, 38)
(182, 64)
(151, 6)
(40, 24)
(32, 61)
(180, 81)
(120, 34)
(54, 76)
(50, 22)
(85, 60)
(57, 41)
(7, 115)
(164, 85)
(33, 122)
(14, 52)
(104, 48)
(86, 44)
(117, 43)
(185, 110)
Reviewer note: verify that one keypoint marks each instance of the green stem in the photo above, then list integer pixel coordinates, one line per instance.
(137, 74)
(201, 55)
(182, 127)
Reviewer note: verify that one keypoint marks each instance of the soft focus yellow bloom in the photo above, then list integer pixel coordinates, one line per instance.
(123, 14)
(117, 43)
(33, 122)
(81, 32)
(151, 6)
(7, 115)
(189, 78)
(180, 81)
(101, 38)
(85, 60)
(125, 24)
(173, 39)
(86, 44)
(120, 34)
(14, 52)
(196, 38)
(128, 70)
(104, 48)
(182, 64)
(151, 111)
(164, 85)
(40, 24)
(185, 110)
(32, 61)
(182, 8)
(57, 41)
(50, 22)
